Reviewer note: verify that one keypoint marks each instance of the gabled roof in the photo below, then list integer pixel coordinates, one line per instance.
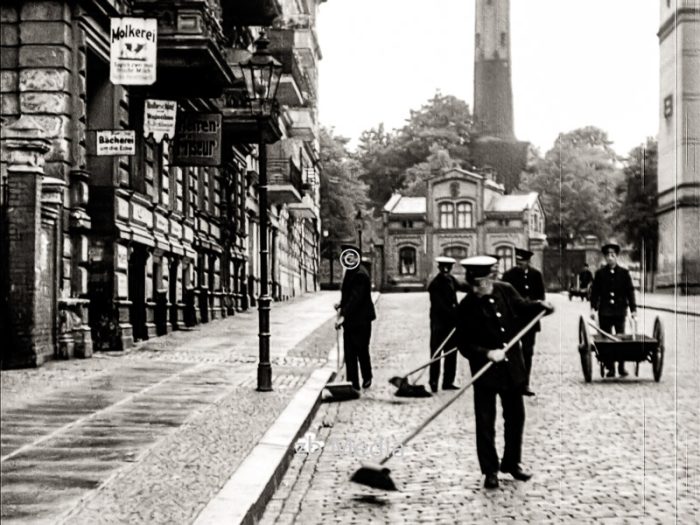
(400, 205)
(513, 203)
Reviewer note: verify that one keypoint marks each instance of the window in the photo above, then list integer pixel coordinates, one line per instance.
(503, 39)
(407, 261)
(407, 224)
(447, 217)
(464, 215)
(505, 258)
(456, 252)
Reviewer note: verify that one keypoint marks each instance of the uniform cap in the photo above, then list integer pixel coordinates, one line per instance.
(445, 260)
(523, 255)
(478, 267)
(611, 245)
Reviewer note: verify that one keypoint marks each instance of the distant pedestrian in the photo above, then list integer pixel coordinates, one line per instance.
(612, 293)
(443, 310)
(529, 283)
(355, 315)
(487, 318)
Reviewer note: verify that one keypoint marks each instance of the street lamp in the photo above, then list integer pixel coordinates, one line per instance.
(262, 76)
(358, 227)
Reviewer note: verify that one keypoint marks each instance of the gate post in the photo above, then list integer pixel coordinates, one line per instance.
(32, 211)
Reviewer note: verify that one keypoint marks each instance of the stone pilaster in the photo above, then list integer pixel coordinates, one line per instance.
(31, 215)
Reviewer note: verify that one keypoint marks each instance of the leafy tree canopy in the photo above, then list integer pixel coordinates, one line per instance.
(577, 181)
(436, 135)
(342, 191)
(637, 217)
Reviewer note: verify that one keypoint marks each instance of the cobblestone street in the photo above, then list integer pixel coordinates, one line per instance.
(611, 451)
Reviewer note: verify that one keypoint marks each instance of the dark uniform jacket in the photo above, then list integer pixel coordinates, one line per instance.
(529, 284)
(612, 292)
(443, 300)
(356, 298)
(488, 323)
(585, 278)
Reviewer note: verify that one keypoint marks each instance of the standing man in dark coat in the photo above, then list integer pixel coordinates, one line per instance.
(443, 309)
(611, 294)
(529, 283)
(487, 318)
(355, 315)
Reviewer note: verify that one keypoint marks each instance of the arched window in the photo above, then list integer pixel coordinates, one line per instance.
(447, 215)
(505, 258)
(407, 261)
(464, 215)
(456, 252)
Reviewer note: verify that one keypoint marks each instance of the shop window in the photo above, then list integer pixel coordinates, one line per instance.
(447, 217)
(407, 261)
(464, 215)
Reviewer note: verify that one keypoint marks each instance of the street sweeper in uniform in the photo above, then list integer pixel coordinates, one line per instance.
(443, 308)
(487, 319)
(355, 315)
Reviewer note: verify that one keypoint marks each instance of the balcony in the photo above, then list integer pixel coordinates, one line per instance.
(304, 209)
(250, 12)
(303, 125)
(190, 47)
(295, 86)
(284, 181)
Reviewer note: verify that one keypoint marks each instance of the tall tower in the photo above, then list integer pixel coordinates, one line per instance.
(495, 146)
(678, 201)
(493, 93)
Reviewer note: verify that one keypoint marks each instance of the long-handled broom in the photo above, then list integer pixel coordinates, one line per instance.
(377, 475)
(340, 390)
(406, 389)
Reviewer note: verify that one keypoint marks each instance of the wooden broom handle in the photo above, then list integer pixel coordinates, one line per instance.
(454, 398)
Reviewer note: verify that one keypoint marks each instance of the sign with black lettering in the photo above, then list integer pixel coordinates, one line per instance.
(133, 50)
(159, 118)
(115, 142)
(197, 140)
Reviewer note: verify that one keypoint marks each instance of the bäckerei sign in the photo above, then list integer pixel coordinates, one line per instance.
(115, 142)
(133, 47)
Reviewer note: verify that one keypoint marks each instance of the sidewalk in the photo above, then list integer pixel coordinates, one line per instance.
(680, 304)
(152, 434)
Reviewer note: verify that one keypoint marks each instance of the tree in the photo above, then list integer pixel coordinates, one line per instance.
(342, 191)
(637, 217)
(577, 181)
(439, 133)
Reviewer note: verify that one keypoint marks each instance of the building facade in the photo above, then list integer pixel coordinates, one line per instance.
(678, 201)
(462, 214)
(100, 251)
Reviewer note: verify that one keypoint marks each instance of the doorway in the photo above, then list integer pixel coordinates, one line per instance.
(137, 292)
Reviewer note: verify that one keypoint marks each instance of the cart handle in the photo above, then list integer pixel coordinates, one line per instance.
(606, 334)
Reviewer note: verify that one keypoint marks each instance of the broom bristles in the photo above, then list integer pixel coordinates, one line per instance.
(374, 476)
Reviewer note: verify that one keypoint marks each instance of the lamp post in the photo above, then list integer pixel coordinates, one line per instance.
(358, 227)
(262, 76)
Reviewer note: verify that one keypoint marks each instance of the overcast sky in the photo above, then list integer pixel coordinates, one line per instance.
(574, 63)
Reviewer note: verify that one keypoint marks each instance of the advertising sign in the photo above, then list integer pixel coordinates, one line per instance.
(116, 142)
(197, 140)
(133, 46)
(159, 118)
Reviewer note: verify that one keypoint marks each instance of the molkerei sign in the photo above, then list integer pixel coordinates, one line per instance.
(197, 140)
(115, 142)
(133, 47)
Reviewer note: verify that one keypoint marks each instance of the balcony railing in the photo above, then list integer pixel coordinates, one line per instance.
(284, 180)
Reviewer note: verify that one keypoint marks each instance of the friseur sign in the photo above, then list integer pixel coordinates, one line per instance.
(197, 140)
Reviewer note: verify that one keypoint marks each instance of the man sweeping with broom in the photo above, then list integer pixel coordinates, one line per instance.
(487, 319)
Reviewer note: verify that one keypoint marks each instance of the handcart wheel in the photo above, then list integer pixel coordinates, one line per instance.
(657, 358)
(584, 349)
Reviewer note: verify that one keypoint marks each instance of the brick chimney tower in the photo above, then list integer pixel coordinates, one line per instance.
(493, 92)
(495, 145)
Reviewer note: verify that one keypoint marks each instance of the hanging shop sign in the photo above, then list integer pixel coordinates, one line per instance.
(133, 47)
(115, 142)
(197, 140)
(159, 119)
